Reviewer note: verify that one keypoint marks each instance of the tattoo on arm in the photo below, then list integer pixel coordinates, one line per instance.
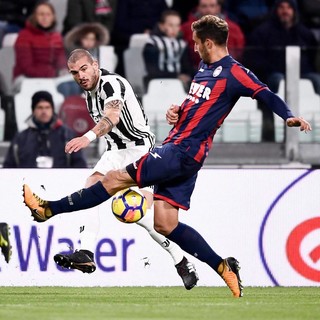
(104, 126)
(107, 121)
(117, 104)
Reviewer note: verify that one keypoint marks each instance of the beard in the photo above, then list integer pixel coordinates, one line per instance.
(205, 57)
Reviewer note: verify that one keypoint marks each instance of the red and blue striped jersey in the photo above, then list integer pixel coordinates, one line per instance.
(213, 93)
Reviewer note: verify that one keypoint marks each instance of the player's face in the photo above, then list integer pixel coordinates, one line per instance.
(171, 26)
(43, 112)
(201, 49)
(85, 73)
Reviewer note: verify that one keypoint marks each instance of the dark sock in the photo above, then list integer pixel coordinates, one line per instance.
(82, 199)
(192, 242)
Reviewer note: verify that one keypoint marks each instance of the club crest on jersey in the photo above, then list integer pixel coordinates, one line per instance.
(217, 71)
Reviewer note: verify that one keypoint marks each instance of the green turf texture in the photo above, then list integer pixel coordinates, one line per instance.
(41, 303)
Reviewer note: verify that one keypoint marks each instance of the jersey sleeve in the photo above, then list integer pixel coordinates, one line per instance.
(275, 103)
(113, 90)
(244, 82)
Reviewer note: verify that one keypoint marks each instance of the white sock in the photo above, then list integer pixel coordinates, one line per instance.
(172, 248)
(89, 230)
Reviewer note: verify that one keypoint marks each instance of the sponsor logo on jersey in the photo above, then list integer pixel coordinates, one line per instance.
(197, 91)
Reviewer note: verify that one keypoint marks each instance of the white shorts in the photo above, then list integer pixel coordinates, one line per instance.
(119, 159)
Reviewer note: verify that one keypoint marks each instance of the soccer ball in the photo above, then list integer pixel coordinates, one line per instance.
(129, 205)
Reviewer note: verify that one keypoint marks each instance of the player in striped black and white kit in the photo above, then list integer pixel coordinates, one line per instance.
(120, 119)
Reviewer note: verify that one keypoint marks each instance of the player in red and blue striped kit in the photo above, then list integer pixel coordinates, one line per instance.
(213, 93)
(173, 167)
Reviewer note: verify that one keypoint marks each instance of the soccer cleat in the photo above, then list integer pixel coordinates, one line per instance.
(38, 207)
(5, 241)
(229, 272)
(187, 272)
(78, 260)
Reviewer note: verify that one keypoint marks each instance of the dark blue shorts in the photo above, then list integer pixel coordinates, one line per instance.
(170, 170)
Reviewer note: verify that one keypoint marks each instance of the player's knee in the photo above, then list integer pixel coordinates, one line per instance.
(113, 181)
(162, 228)
(94, 178)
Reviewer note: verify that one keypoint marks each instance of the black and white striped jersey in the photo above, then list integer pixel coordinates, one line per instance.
(132, 129)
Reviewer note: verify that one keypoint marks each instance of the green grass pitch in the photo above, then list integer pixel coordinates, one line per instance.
(54, 303)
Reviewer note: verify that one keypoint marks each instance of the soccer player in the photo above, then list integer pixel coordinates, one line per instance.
(172, 167)
(127, 138)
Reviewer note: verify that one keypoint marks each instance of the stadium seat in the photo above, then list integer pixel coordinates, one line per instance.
(138, 40)
(108, 58)
(309, 108)
(2, 124)
(60, 7)
(75, 115)
(9, 39)
(22, 100)
(161, 93)
(244, 123)
(134, 66)
(7, 60)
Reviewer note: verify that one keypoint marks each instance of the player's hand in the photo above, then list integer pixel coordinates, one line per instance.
(77, 144)
(299, 122)
(172, 114)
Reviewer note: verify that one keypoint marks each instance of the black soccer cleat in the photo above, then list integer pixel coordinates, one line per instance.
(187, 272)
(5, 241)
(79, 260)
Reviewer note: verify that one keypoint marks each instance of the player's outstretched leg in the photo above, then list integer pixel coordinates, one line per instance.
(81, 260)
(85, 198)
(185, 268)
(5, 241)
(229, 272)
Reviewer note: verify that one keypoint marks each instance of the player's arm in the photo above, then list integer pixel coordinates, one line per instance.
(278, 106)
(247, 84)
(110, 119)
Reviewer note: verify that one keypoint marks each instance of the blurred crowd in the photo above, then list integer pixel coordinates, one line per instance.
(259, 32)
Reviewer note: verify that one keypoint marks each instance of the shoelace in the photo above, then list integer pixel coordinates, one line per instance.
(42, 202)
(191, 267)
